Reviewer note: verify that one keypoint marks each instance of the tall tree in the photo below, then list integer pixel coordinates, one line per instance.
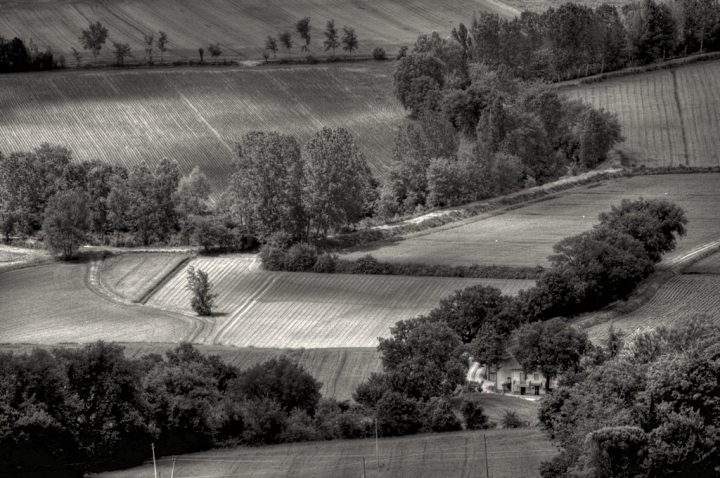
(272, 45)
(338, 180)
(331, 36)
(215, 51)
(149, 39)
(67, 222)
(121, 50)
(94, 38)
(286, 41)
(303, 28)
(413, 67)
(161, 42)
(349, 40)
(202, 299)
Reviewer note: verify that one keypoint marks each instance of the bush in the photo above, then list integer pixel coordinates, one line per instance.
(397, 415)
(299, 427)
(264, 422)
(511, 420)
(379, 54)
(474, 416)
(367, 265)
(301, 257)
(272, 257)
(402, 53)
(438, 416)
(326, 263)
(311, 59)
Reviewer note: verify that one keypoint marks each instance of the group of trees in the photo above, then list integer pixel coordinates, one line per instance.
(574, 40)
(644, 408)
(94, 37)
(524, 133)
(72, 411)
(349, 40)
(16, 56)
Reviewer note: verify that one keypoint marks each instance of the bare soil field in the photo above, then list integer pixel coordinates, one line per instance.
(340, 370)
(669, 117)
(682, 297)
(240, 27)
(196, 116)
(511, 454)
(292, 310)
(133, 276)
(50, 304)
(525, 236)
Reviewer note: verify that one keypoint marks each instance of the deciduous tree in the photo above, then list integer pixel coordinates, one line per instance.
(202, 300)
(94, 38)
(272, 45)
(303, 28)
(67, 222)
(121, 50)
(349, 40)
(331, 36)
(149, 39)
(215, 51)
(161, 42)
(286, 41)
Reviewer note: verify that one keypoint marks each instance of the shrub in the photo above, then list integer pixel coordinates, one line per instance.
(281, 240)
(397, 415)
(326, 263)
(379, 54)
(474, 416)
(299, 427)
(402, 53)
(311, 59)
(438, 417)
(301, 257)
(264, 422)
(511, 420)
(272, 257)
(367, 265)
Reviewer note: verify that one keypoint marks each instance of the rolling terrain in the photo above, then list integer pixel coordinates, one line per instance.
(308, 310)
(525, 236)
(239, 26)
(196, 116)
(511, 454)
(669, 117)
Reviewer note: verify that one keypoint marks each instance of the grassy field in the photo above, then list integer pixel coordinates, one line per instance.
(511, 454)
(682, 297)
(133, 276)
(494, 406)
(709, 265)
(196, 116)
(525, 236)
(669, 117)
(287, 309)
(15, 257)
(51, 304)
(339, 370)
(240, 27)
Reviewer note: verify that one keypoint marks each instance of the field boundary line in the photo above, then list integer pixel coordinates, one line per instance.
(162, 281)
(239, 312)
(680, 114)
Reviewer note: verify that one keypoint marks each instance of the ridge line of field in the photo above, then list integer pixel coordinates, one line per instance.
(162, 280)
(680, 114)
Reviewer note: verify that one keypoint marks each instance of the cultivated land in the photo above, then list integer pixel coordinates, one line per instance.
(196, 116)
(14, 257)
(289, 309)
(525, 236)
(339, 370)
(669, 117)
(50, 304)
(682, 297)
(511, 454)
(240, 26)
(134, 276)
(709, 265)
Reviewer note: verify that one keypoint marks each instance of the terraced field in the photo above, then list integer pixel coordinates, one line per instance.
(339, 370)
(239, 26)
(271, 309)
(134, 276)
(511, 454)
(682, 297)
(525, 236)
(50, 304)
(196, 116)
(670, 117)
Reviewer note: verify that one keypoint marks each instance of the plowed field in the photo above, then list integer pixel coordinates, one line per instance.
(133, 276)
(52, 304)
(511, 454)
(290, 310)
(669, 117)
(525, 236)
(196, 116)
(239, 26)
(682, 297)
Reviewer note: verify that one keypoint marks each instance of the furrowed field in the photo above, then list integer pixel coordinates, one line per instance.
(525, 236)
(669, 117)
(288, 309)
(511, 454)
(135, 276)
(196, 116)
(239, 26)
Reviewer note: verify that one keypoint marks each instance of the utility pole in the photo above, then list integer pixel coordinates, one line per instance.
(377, 449)
(172, 473)
(364, 475)
(154, 464)
(487, 468)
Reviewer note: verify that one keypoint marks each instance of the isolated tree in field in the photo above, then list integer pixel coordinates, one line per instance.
(331, 36)
(215, 51)
(120, 50)
(94, 38)
(552, 347)
(67, 222)
(202, 300)
(271, 44)
(303, 28)
(338, 180)
(201, 51)
(78, 57)
(286, 41)
(149, 39)
(161, 42)
(349, 40)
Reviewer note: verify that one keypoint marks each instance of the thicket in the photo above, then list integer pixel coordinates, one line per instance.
(15, 56)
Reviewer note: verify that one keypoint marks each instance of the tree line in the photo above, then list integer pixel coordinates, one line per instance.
(333, 40)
